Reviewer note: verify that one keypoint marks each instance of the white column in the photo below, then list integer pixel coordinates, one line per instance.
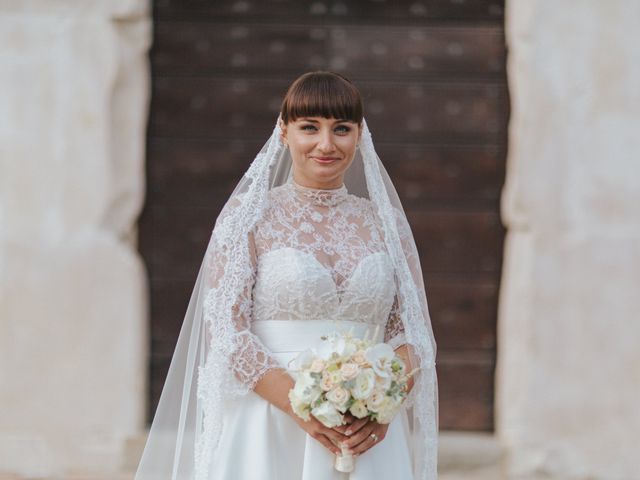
(568, 395)
(74, 92)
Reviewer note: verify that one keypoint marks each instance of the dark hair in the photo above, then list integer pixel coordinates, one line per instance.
(322, 93)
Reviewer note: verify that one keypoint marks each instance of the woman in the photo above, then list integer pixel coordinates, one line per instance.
(312, 237)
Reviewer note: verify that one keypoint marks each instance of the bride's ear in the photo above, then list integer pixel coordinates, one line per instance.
(283, 130)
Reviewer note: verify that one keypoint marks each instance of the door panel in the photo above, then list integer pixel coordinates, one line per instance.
(432, 75)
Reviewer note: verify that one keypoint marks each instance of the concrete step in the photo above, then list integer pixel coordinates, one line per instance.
(461, 456)
(458, 452)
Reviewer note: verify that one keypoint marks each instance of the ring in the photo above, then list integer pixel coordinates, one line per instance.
(374, 436)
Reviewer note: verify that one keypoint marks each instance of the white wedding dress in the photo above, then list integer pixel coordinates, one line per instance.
(320, 264)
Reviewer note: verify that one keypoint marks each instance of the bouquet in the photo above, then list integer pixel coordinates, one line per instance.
(346, 374)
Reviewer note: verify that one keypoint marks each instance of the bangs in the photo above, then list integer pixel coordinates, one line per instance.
(322, 94)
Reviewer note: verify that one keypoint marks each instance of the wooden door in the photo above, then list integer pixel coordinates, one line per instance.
(432, 74)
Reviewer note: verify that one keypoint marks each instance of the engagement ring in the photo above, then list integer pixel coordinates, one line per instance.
(374, 436)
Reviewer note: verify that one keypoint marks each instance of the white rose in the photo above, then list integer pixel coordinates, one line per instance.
(365, 381)
(349, 371)
(387, 412)
(299, 408)
(306, 388)
(380, 357)
(328, 415)
(339, 397)
(376, 401)
(358, 409)
(317, 365)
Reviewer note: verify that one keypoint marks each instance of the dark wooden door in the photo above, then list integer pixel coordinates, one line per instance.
(433, 78)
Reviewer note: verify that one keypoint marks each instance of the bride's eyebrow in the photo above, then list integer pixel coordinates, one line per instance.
(340, 120)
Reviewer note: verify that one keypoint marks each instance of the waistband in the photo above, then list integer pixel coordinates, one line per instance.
(297, 335)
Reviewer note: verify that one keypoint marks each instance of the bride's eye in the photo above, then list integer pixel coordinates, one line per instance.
(339, 128)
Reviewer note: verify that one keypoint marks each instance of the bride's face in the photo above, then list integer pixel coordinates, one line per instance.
(321, 149)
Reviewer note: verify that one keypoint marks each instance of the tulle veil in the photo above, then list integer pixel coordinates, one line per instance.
(188, 420)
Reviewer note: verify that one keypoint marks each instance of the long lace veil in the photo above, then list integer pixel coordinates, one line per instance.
(217, 358)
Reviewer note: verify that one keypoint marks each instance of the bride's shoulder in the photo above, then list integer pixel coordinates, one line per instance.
(278, 191)
(361, 204)
(278, 195)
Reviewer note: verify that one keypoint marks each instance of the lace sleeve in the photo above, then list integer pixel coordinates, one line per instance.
(394, 329)
(248, 358)
(394, 333)
(251, 359)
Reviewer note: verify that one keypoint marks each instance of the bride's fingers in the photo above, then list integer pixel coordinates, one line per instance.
(342, 428)
(324, 440)
(380, 431)
(360, 436)
(356, 426)
(336, 438)
(348, 420)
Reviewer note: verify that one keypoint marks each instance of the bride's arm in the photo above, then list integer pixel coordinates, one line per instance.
(403, 352)
(274, 387)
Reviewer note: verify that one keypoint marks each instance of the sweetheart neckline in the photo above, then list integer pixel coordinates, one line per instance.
(345, 284)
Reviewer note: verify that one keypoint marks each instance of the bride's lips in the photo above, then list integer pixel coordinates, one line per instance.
(325, 160)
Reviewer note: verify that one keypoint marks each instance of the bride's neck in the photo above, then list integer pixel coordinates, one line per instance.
(315, 185)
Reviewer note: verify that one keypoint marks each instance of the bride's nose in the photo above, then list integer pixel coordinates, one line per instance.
(325, 142)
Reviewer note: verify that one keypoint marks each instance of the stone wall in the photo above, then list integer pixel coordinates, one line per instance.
(74, 88)
(569, 364)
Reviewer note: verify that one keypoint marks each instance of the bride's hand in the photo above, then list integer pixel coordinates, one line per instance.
(328, 437)
(359, 433)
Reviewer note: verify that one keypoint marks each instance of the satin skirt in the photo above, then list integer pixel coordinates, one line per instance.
(260, 442)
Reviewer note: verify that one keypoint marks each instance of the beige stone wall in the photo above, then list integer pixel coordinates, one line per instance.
(74, 88)
(569, 364)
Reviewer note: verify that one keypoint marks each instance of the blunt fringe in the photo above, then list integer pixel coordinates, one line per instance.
(322, 93)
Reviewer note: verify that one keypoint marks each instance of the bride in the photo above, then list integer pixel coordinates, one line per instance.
(312, 239)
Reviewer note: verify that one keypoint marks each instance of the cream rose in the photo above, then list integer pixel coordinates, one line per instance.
(339, 397)
(349, 371)
(326, 383)
(359, 358)
(376, 401)
(317, 365)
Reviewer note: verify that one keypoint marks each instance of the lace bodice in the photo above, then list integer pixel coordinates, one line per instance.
(317, 255)
(320, 256)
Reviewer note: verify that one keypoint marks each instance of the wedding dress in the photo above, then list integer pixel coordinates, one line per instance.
(320, 264)
(285, 265)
